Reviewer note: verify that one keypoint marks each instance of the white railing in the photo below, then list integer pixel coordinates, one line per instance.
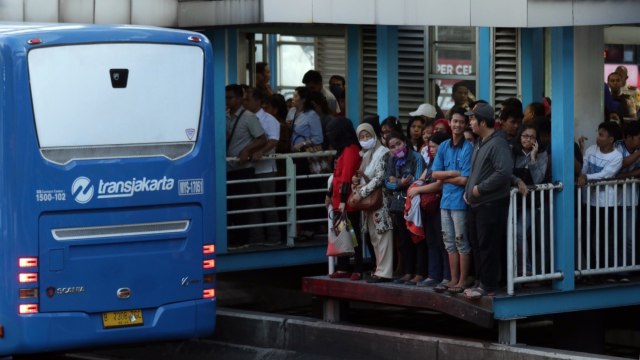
(606, 227)
(291, 204)
(530, 238)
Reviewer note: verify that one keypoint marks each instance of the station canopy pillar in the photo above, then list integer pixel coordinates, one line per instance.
(562, 115)
(387, 56)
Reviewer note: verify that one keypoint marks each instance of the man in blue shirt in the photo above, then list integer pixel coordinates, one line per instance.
(452, 165)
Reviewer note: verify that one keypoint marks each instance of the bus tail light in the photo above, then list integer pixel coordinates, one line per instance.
(28, 262)
(28, 309)
(208, 278)
(209, 264)
(28, 293)
(208, 293)
(208, 249)
(28, 277)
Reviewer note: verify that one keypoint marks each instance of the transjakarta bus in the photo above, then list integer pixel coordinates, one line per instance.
(106, 178)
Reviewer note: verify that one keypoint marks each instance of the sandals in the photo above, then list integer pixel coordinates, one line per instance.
(455, 290)
(477, 293)
(340, 275)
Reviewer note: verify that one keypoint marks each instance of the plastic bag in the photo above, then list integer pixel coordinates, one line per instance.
(342, 238)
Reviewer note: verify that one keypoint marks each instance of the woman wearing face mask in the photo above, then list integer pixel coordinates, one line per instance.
(343, 139)
(377, 223)
(403, 167)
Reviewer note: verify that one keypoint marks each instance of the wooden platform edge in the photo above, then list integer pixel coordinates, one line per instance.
(477, 312)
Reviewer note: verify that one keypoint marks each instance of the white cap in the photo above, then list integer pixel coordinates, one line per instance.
(425, 110)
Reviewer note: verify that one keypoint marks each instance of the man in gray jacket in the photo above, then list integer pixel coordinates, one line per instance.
(487, 193)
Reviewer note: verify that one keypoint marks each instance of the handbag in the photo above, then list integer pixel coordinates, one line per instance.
(369, 203)
(398, 201)
(341, 237)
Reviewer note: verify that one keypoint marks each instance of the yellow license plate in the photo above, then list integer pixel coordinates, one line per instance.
(122, 318)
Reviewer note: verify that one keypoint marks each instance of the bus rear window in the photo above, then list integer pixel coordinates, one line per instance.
(128, 96)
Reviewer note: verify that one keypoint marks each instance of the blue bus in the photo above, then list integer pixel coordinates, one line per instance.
(106, 179)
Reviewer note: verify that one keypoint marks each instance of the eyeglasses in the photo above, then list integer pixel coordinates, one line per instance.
(526, 136)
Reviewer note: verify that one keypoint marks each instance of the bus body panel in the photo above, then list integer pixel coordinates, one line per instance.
(147, 253)
(107, 219)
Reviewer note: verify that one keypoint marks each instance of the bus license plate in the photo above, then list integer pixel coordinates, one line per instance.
(122, 318)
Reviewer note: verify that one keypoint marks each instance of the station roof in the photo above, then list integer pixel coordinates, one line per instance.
(490, 13)
(198, 13)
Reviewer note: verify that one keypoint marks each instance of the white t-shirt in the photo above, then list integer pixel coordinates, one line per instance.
(271, 128)
(600, 166)
(632, 196)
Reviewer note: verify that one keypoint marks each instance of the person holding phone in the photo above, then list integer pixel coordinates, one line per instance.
(530, 167)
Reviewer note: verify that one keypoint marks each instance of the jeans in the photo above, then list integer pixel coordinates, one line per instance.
(438, 258)
(454, 231)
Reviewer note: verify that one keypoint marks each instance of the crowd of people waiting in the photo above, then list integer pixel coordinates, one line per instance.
(468, 159)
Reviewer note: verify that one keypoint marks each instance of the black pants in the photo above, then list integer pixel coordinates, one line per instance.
(487, 234)
(414, 256)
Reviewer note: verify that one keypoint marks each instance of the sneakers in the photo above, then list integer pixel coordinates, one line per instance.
(442, 287)
(403, 279)
(428, 282)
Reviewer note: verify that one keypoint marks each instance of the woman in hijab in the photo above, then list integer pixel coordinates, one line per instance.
(377, 223)
(342, 137)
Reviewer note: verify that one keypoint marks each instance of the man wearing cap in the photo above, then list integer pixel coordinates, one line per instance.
(425, 110)
(487, 193)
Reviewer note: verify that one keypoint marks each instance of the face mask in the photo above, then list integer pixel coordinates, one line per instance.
(399, 152)
(368, 144)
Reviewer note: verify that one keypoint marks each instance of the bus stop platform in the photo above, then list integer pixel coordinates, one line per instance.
(336, 291)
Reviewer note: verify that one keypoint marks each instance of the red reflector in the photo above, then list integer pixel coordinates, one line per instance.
(28, 309)
(1, 331)
(208, 278)
(209, 264)
(208, 293)
(28, 293)
(27, 277)
(195, 39)
(208, 249)
(27, 262)
(35, 41)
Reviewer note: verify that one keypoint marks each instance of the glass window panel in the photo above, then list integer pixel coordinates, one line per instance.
(293, 62)
(258, 36)
(454, 60)
(455, 34)
(288, 38)
(259, 52)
